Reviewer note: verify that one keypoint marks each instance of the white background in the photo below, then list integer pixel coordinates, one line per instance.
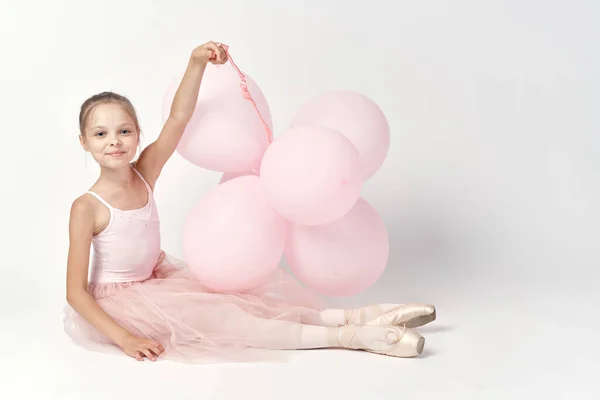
(489, 191)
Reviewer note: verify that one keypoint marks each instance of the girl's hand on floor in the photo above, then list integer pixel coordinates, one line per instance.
(139, 348)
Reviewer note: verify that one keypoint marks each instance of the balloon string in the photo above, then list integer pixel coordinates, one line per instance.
(246, 92)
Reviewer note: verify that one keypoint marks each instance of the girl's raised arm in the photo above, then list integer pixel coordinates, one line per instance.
(154, 157)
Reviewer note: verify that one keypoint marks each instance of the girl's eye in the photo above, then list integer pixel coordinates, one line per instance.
(124, 131)
(100, 134)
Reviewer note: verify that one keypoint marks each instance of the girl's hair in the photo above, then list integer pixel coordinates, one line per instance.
(104, 98)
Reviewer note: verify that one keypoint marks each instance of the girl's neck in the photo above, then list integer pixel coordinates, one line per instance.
(120, 177)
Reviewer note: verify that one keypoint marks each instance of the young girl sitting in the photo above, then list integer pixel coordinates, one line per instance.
(150, 305)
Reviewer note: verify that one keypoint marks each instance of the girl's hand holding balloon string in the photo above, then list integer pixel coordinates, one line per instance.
(210, 52)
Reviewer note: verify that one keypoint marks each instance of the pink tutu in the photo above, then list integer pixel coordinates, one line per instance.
(194, 324)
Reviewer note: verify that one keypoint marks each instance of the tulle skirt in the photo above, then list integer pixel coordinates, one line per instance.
(194, 324)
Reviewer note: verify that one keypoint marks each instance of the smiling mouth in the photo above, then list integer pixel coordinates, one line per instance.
(116, 154)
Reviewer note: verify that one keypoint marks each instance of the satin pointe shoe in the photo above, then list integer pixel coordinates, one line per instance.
(391, 341)
(409, 315)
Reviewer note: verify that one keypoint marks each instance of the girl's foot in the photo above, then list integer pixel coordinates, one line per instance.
(392, 341)
(408, 315)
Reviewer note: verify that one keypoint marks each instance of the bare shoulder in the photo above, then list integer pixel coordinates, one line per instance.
(83, 209)
(86, 215)
(83, 206)
(145, 168)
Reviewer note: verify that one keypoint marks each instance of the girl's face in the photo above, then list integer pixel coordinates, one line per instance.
(110, 136)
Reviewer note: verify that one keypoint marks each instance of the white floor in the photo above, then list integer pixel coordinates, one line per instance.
(494, 158)
(492, 340)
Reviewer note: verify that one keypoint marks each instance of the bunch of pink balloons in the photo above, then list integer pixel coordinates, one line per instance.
(297, 196)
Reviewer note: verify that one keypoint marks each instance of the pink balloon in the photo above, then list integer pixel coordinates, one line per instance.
(356, 117)
(225, 132)
(227, 176)
(232, 240)
(343, 258)
(311, 175)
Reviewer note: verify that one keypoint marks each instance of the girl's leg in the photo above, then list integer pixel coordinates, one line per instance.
(410, 315)
(286, 335)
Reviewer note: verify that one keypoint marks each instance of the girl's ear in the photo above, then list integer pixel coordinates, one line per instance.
(83, 144)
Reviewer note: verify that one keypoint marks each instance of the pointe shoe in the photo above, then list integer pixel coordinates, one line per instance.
(408, 315)
(392, 341)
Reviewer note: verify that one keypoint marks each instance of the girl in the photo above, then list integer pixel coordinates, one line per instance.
(150, 305)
